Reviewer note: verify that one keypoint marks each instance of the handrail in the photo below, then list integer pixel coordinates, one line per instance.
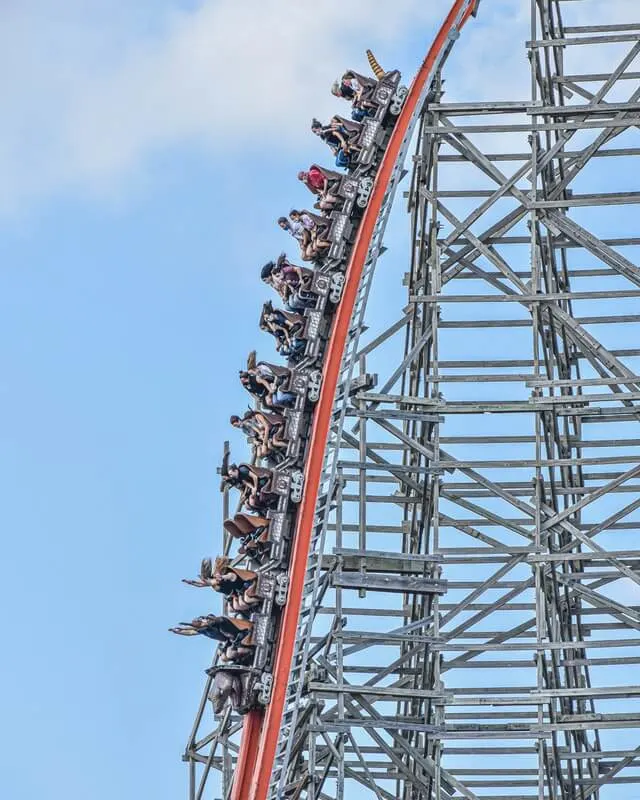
(259, 741)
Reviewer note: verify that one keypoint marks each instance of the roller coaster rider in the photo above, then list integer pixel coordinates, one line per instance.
(341, 137)
(316, 228)
(237, 585)
(287, 328)
(307, 232)
(358, 90)
(262, 528)
(261, 382)
(300, 229)
(249, 425)
(290, 282)
(264, 432)
(319, 182)
(253, 482)
(233, 634)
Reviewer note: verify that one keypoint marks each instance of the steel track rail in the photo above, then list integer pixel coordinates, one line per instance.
(266, 735)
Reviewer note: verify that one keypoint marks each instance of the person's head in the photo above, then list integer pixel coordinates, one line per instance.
(233, 472)
(336, 89)
(316, 126)
(220, 564)
(235, 420)
(283, 222)
(294, 214)
(266, 271)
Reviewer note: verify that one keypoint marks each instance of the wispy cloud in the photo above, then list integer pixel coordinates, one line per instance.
(88, 93)
(90, 90)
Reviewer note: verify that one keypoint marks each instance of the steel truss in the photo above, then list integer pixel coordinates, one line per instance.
(469, 626)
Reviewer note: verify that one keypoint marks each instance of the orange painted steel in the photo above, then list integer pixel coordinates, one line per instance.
(259, 742)
(246, 763)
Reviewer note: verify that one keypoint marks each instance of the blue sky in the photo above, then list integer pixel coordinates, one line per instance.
(129, 299)
(145, 155)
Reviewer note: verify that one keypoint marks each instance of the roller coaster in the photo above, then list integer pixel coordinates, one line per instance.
(508, 667)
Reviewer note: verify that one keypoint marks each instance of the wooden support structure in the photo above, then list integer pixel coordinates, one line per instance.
(471, 627)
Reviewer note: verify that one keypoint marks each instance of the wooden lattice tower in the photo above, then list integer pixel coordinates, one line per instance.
(470, 627)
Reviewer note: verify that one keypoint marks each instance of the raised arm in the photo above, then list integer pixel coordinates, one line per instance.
(184, 631)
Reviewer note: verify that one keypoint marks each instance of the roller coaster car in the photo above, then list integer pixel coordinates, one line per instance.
(382, 97)
(314, 248)
(244, 589)
(280, 443)
(254, 534)
(272, 585)
(263, 539)
(288, 328)
(226, 577)
(264, 623)
(299, 336)
(338, 231)
(233, 684)
(315, 334)
(287, 485)
(291, 282)
(263, 636)
(282, 488)
(261, 488)
(327, 287)
(303, 383)
(387, 98)
(341, 236)
(369, 140)
(306, 384)
(276, 487)
(356, 192)
(294, 434)
(351, 193)
(315, 290)
(389, 95)
(279, 536)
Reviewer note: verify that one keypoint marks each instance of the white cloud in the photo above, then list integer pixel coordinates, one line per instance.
(89, 90)
(88, 93)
